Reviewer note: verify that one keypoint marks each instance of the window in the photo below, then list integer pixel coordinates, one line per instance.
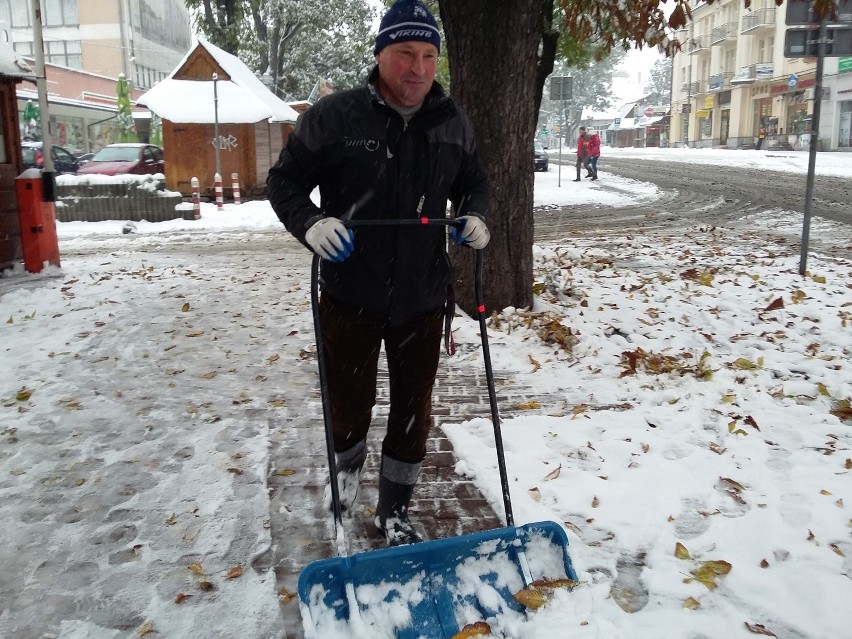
(15, 13)
(59, 13)
(64, 53)
(24, 49)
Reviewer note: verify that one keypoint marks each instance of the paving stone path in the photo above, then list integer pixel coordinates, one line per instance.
(445, 503)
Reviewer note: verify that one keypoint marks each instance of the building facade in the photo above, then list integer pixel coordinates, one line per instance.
(143, 39)
(731, 79)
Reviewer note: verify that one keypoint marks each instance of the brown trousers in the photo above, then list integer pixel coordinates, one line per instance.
(352, 342)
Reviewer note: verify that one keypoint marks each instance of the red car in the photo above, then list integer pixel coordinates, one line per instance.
(125, 158)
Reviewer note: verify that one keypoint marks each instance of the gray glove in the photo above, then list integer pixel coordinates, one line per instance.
(330, 239)
(474, 232)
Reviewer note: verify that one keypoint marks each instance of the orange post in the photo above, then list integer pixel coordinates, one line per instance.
(38, 222)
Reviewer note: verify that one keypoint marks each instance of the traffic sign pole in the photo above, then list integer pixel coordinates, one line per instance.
(809, 189)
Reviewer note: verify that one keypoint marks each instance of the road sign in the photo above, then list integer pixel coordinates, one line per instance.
(560, 88)
(800, 13)
(792, 82)
(803, 43)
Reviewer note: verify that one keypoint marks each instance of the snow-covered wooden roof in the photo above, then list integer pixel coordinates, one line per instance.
(242, 99)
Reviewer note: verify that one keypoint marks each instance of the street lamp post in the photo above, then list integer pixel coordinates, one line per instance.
(216, 123)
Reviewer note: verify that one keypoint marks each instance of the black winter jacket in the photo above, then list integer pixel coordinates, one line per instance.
(369, 165)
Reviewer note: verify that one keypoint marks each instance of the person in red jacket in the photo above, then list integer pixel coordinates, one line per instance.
(582, 152)
(594, 149)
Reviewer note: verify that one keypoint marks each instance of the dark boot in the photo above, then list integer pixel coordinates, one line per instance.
(349, 465)
(392, 513)
(396, 484)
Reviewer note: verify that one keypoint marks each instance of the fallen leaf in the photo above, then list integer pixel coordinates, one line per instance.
(285, 596)
(181, 597)
(234, 572)
(837, 549)
(235, 471)
(206, 585)
(24, 394)
(707, 572)
(681, 552)
(764, 563)
(535, 494)
(534, 362)
(530, 405)
(195, 333)
(478, 629)
(185, 307)
(733, 484)
(691, 603)
(196, 568)
(775, 305)
(553, 474)
(759, 629)
(285, 473)
(145, 629)
(595, 502)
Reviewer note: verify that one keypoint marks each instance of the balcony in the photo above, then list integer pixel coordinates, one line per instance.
(720, 81)
(723, 33)
(759, 20)
(698, 44)
(754, 73)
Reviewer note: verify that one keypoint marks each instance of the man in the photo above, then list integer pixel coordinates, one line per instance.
(761, 136)
(582, 153)
(398, 148)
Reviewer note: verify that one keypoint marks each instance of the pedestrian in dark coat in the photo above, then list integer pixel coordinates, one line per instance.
(582, 152)
(398, 148)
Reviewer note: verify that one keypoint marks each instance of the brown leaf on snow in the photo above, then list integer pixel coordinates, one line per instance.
(759, 629)
(235, 470)
(837, 549)
(478, 629)
(196, 568)
(764, 563)
(185, 307)
(681, 552)
(285, 596)
(536, 364)
(535, 494)
(181, 597)
(553, 474)
(233, 573)
(691, 603)
(530, 405)
(206, 585)
(145, 629)
(775, 305)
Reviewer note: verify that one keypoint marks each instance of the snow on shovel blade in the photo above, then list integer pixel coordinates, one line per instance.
(430, 589)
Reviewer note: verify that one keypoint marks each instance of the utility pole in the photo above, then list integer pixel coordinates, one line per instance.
(47, 174)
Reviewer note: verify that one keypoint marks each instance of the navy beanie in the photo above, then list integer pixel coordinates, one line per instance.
(408, 20)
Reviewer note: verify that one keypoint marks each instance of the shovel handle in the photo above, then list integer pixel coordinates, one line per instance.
(489, 373)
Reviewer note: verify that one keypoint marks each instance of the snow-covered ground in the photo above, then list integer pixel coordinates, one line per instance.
(695, 394)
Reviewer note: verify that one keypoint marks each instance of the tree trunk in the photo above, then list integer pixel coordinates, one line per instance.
(492, 49)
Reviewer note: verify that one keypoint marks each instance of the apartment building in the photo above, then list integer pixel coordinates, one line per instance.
(143, 39)
(731, 78)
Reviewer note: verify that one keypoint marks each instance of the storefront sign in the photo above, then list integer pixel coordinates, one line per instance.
(844, 65)
(708, 102)
(702, 113)
(763, 71)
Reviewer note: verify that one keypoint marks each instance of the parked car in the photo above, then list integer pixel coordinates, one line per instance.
(125, 158)
(541, 157)
(63, 160)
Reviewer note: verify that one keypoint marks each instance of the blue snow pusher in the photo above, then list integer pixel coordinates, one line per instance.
(432, 589)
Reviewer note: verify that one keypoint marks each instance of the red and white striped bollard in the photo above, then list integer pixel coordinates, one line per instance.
(235, 185)
(196, 199)
(220, 198)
